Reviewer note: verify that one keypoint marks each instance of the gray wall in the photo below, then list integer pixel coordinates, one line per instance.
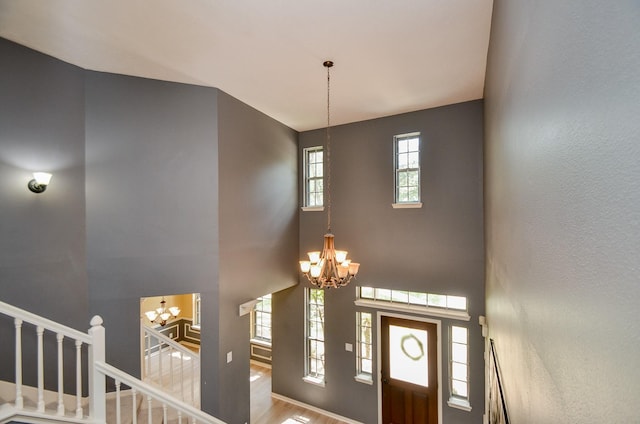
(42, 236)
(258, 233)
(436, 249)
(152, 217)
(563, 208)
(187, 190)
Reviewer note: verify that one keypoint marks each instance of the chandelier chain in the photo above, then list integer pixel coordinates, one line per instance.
(328, 190)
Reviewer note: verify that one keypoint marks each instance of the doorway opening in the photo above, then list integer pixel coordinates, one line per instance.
(170, 345)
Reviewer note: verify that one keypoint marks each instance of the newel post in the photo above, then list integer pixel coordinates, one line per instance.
(97, 390)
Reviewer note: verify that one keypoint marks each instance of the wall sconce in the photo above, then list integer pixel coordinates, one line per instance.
(40, 182)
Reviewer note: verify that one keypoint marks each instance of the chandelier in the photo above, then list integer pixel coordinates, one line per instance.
(329, 268)
(162, 314)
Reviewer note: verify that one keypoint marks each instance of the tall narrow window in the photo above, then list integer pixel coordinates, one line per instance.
(459, 366)
(313, 177)
(407, 165)
(315, 336)
(262, 319)
(364, 348)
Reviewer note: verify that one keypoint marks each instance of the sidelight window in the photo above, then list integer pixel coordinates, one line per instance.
(459, 367)
(364, 348)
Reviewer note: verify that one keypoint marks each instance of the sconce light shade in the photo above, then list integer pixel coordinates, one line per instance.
(40, 182)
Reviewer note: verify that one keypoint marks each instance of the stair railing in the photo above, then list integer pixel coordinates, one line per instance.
(172, 409)
(98, 371)
(157, 347)
(94, 341)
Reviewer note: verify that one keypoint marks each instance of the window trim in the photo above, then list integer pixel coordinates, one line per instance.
(305, 167)
(397, 204)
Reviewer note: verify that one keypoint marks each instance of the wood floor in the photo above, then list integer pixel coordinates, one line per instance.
(267, 410)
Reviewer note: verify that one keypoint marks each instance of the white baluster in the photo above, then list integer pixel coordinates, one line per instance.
(79, 411)
(193, 379)
(164, 412)
(134, 407)
(60, 337)
(179, 417)
(171, 368)
(148, 339)
(19, 398)
(161, 380)
(149, 415)
(118, 418)
(40, 332)
(182, 375)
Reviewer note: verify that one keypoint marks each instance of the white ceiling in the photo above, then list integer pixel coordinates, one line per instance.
(391, 56)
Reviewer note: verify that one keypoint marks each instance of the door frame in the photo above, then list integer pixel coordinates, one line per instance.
(438, 324)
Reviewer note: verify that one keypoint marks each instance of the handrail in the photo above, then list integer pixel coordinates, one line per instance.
(25, 316)
(155, 393)
(169, 341)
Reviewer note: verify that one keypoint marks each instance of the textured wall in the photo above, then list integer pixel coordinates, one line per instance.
(563, 208)
(436, 249)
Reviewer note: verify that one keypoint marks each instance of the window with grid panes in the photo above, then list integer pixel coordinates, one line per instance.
(315, 335)
(262, 319)
(459, 363)
(313, 177)
(407, 166)
(364, 347)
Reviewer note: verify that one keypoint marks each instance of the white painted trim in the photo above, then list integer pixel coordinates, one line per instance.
(267, 348)
(459, 404)
(313, 380)
(438, 324)
(261, 343)
(247, 307)
(414, 309)
(312, 208)
(412, 205)
(364, 379)
(314, 409)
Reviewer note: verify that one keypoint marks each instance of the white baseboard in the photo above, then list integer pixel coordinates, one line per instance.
(314, 409)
